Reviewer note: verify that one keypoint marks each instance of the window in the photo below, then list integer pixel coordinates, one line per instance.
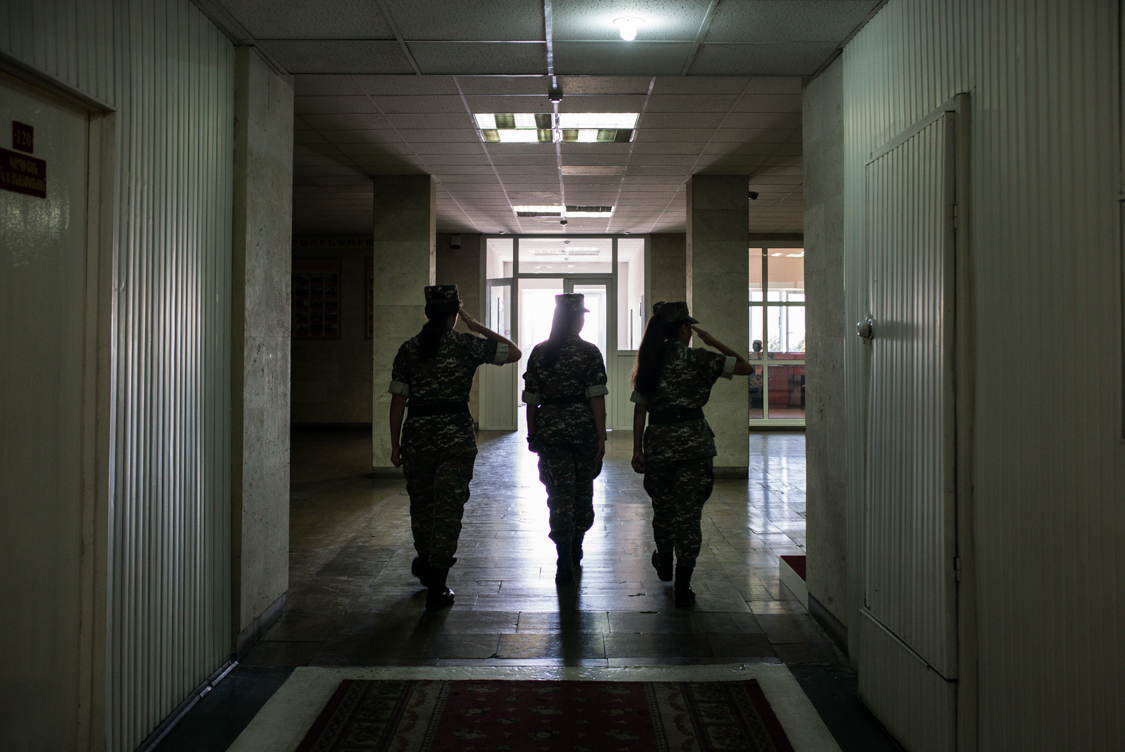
(776, 297)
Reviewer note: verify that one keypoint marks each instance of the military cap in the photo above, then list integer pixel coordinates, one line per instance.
(574, 302)
(442, 294)
(673, 312)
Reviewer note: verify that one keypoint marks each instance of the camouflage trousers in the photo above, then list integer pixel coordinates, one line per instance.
(438, 485)
(568, 473)
(679, 491)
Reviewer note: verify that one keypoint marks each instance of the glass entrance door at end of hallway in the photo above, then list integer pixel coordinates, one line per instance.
(536, 304)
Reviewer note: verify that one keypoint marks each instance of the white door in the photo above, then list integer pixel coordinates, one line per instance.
(601, 323)
(908, 623)
(43, 178)
(498, 388)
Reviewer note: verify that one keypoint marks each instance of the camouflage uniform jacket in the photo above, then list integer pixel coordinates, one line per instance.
(447, 377)
(578, 371)
(685, 383)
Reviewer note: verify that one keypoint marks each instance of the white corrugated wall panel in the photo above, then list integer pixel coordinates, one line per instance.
(1048, 464)
(910, 586)
(168, 74)
(909, 698)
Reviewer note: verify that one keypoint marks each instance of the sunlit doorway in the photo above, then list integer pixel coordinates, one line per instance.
(522, 277)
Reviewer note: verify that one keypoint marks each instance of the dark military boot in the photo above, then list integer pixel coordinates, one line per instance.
(565, 563)
(685, 597)
(438, 596)
(420, 568)
(663, 564)
(576, 549)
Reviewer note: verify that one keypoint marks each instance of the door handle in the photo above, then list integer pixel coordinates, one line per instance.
(866, 329)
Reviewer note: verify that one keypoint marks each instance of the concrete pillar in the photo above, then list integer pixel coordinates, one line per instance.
(718, 270)
(260, 341)
(405, 233)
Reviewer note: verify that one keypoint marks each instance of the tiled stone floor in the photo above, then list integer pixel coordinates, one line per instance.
(352, 600)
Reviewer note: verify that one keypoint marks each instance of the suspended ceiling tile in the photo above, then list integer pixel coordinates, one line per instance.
(314, 105)
(597, 58)
(451, 180)
(303, 19)
(591, 20)
(344, 121)
(485, 58)
(769, 103)
(704, 121)
(548, 158)
(325, 86)
(420, 104)
(775, 85)
(621, 85)
(368, 150)
(525, 169)
(770, 21)
(594, 160)
(699, 85)
(656, 169)
(687, 103)
(431, 135)
(653, 150)
(442, 171)
(407, 86)
(451, 160)
(780, 120)
(602, 103)
(670, 135)
(496, 20)
(430, 121)
(492, 104)
(503, 85)
(308, 137)
(787, 59)
(600, 150)
(348, 56)
(384, 137)
(751, 137)
(457, 147)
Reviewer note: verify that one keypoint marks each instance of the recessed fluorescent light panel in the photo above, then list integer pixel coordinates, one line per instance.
(569, 127)
(570, 210)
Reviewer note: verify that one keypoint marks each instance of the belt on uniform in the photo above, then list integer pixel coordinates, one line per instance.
(680, 415)
(429, 409)
(570, 399)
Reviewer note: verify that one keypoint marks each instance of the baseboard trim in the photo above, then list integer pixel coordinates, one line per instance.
(257, 629)
(835, 629)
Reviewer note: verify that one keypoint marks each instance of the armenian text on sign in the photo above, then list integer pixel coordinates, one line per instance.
(20, 173)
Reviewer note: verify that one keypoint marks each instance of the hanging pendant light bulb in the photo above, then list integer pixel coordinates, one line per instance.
(627, 27)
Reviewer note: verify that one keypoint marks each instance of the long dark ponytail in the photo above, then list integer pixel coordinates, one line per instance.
(650, 355)
(438, 312)
(561, 325)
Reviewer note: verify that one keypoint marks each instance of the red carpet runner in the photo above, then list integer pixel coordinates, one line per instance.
(546, 716)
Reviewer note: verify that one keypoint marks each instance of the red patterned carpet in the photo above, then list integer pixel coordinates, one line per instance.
(546, 716)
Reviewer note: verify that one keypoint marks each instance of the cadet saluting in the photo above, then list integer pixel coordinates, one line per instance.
(565, 388)
(672, 382)
(438, 448)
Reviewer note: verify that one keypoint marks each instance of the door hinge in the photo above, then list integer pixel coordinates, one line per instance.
(955, 217)
(957, 567)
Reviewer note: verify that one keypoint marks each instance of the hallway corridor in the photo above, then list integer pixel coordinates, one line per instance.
(352, 600)
(353, 610)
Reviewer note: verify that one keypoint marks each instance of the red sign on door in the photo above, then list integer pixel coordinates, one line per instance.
(20, 173)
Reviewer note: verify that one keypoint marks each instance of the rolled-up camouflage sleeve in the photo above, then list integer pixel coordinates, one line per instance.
(712, 365)
(501, 354)
(483, 350)
(399, 379)
(595, 377)
(639, 398)
(532, 389)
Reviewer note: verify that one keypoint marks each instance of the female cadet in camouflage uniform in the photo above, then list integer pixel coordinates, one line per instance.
(438, 445)
(565, 388)
(672, 382)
